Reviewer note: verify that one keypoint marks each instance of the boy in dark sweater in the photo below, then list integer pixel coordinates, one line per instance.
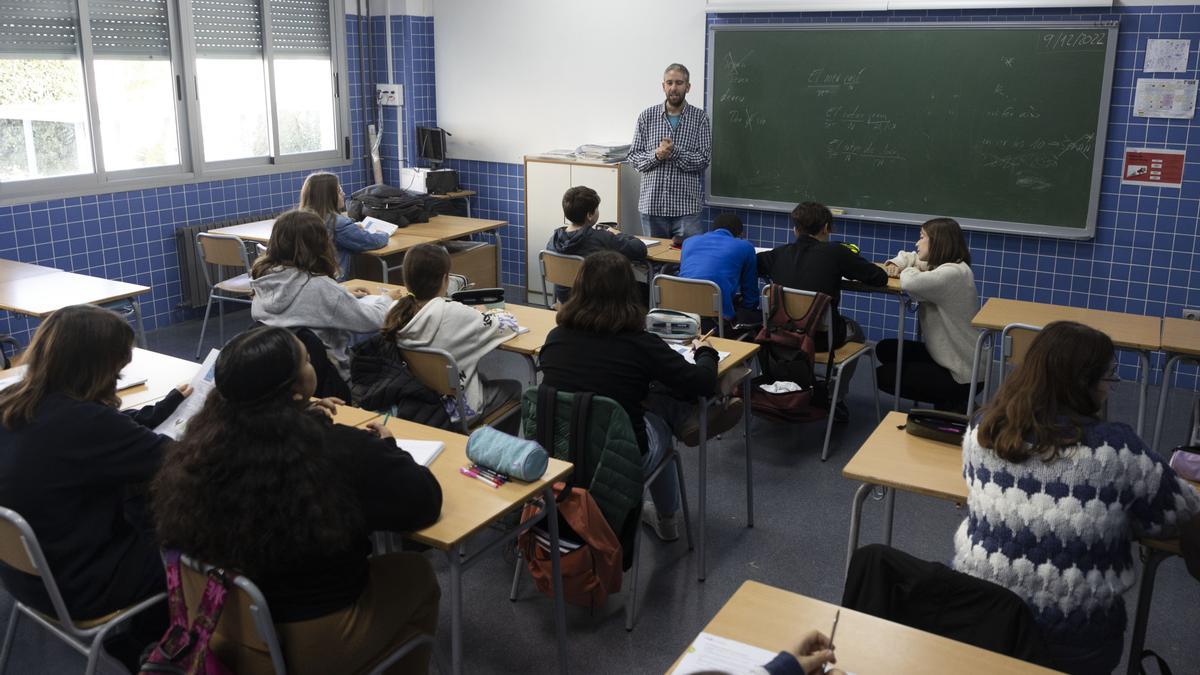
(813, 263)
(581, 207)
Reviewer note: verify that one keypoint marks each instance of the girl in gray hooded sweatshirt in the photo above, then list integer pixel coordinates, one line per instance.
(295, 286)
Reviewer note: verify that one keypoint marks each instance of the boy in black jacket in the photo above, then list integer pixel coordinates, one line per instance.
(581, 207)
(813, 263)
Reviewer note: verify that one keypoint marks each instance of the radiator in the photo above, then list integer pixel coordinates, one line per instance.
(191, 276)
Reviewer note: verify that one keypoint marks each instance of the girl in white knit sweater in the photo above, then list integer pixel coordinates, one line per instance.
(938, 275)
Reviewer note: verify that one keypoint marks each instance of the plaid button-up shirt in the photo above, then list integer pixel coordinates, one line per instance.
(671, 187)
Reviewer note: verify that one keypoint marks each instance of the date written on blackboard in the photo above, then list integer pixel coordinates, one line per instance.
(1064, 41)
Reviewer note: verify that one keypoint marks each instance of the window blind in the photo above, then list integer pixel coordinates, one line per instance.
(300, 28)
(38, 28)
(227, 27)
(130, 28)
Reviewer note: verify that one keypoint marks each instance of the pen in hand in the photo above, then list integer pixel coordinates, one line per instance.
(834, 631)
(700, 340)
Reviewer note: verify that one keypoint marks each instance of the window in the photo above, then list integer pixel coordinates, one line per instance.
(161, 91)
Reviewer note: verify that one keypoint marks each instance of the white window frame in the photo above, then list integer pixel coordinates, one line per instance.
(192, 168)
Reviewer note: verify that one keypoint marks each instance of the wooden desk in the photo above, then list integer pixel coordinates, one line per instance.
(469, 506)
(354, 417)
(539, 322)
(464, 195)
(38, 295)
(258, 231)
(775, 619)
(1134, 332)
(662, 251)
(897, 460)
(739, 353)
(1181, 342)
(11, 270)
(162, 372)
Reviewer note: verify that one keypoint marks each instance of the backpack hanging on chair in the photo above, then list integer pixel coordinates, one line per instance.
(589, 549)
(183, 650)
(788, 355)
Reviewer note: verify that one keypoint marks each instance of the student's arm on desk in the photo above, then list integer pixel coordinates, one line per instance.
(937, 286)
(397, 494)
(670, 368)
(749, 280)
(350, 236)
(1166, 501)
(854, 266)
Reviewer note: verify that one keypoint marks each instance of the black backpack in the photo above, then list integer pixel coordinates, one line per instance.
(384, 202)
(787, 354)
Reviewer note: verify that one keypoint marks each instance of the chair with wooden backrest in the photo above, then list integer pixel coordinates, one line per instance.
(436, 369)
(1014, 345)
(558, 269)
(223, 250)
(19, 549)
(797, 303)
(246, 618)
(697, 296)
(457, 283)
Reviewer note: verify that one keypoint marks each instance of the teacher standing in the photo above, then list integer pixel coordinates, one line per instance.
(671, 147)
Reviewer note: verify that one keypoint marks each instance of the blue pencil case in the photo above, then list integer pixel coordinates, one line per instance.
(509, 455)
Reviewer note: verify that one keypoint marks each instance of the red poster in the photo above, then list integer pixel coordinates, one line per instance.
(1153, 166)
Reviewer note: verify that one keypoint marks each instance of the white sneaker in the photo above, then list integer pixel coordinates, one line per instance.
(666, 527)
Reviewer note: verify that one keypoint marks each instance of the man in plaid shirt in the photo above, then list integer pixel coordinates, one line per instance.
(671, 147)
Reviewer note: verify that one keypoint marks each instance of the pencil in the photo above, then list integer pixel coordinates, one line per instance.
(834, 631)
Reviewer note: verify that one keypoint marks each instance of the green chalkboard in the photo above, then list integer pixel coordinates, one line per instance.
(998, 125)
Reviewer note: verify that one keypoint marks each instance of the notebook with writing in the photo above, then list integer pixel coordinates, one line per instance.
(423, 452)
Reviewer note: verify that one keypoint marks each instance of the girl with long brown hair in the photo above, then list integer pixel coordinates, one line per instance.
(426, 318)
(295, 287)
(1056, 496)
(264, 483)
(69, 460)
(938, 275)
(322, 194)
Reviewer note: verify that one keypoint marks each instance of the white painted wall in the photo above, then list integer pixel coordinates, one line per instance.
(524, 76)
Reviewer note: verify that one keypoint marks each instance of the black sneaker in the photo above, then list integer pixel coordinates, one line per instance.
(841, 414)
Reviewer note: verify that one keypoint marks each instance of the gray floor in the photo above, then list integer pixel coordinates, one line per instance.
(802, 511)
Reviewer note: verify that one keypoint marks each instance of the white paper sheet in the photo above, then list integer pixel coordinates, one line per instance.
(423, 452)
(376, 225)
(761, 249)
(690, 356)
(202, 384)
(710, 653)
(649, 242)
(1167, 56)
(129, 377)
(1174, 99)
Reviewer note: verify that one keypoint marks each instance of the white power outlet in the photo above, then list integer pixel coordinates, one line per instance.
(1191, 314)
(389, 94)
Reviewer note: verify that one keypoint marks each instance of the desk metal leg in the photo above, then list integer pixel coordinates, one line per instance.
(560, 605)
(1163, 397)
(455, 556)
(384, 266)
(499, 259)
(746, 436)
(983, 335)
(899, 353)
(137, 322)
(856, 506)
(889, 510)
(1143, 389)
(1152, 558)
(703, 484)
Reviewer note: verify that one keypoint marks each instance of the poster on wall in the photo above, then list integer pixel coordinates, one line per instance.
(1175, 99)
(1166, 56)
(1153, 166)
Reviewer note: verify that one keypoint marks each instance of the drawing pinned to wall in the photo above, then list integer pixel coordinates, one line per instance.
(1153, 166)
(1175, 99)
(1167, 56)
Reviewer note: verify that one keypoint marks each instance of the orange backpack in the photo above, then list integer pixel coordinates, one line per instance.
(589, 549)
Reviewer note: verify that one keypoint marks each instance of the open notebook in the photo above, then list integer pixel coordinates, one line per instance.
(376, 225)
(423, 452)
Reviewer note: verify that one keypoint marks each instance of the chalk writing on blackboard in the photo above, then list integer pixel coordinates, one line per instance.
(852, 118)
(872, 152)
(747, 117)
(827, 82)
(1090, 41)
(1029, 112)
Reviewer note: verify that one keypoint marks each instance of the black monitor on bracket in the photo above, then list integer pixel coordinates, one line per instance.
(431, 144)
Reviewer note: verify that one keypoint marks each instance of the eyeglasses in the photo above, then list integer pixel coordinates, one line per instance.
(1112, 377)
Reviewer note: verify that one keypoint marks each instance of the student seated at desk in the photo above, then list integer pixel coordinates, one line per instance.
(814, 263)
(295, 286)
(938, 275)
(813, 655)
(1056, 495)
(68, 461)
(426, 318)
(263, 482)
(323, 195)
(724, 257)
(601, 346)
(581, 207)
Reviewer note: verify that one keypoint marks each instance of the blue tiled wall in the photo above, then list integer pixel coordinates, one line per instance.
(1143, 260)
(130, 235)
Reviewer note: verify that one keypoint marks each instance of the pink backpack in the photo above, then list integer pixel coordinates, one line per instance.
(183, 650)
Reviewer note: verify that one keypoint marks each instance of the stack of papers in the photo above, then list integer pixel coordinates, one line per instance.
(202, 383)
(714, 654)
(423, 452)
(608, 153)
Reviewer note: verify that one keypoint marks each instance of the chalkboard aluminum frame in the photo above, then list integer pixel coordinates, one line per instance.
(905, 218)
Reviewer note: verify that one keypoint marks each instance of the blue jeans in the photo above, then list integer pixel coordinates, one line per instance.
(666, 227)
(663, 414)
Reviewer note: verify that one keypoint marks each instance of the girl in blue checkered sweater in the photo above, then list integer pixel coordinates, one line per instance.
(1056, 495)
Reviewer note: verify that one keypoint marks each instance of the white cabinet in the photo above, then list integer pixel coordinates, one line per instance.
(545, 182)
